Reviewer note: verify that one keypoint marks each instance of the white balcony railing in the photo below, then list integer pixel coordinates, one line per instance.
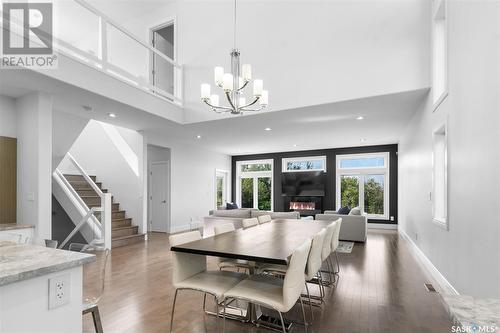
(87, 35)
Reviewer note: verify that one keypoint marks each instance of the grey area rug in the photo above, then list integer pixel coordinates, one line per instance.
(345, 247)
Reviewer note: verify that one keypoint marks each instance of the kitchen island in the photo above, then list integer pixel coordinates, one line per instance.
(40, 289)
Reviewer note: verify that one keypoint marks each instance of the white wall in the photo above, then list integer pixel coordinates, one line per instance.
(65, 129)
(34, 163)
(7, 117)
(192, 181)
(99, 156)
(468, 255)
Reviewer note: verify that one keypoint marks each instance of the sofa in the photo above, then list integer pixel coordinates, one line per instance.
(236, 216)
(353, 228)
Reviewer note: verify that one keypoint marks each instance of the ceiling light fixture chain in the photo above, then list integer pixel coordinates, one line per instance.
(233, 85)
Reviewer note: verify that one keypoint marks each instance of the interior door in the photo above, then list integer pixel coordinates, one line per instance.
(159, 197)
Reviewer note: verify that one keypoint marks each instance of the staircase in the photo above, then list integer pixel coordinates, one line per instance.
(122, 231)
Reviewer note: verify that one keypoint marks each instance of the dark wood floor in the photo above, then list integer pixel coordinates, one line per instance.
(381, 289)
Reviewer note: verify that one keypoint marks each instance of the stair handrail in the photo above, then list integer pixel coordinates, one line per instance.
(85, 176)
(126, 32)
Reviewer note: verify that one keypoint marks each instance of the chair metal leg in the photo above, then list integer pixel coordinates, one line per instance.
(204, 302)
(304, 313)
(173, 309)
(337, 260)
(310, 303)
(216, 313)
(96, 317)
(282, 322)
(224, 317)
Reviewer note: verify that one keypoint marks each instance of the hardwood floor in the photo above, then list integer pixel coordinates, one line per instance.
(381, 289)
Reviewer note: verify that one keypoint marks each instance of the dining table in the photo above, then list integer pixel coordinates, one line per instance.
(268, 243)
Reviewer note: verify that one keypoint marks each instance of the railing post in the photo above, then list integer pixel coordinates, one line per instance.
(106, 216)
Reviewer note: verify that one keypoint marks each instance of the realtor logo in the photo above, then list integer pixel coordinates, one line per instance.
(27, 31)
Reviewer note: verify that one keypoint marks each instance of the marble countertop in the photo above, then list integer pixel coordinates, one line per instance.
(13, 226)
(22, 262)
(474, 313)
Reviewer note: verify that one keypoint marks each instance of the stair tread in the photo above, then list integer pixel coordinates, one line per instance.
(128, 236)
(125, 227)
(121, 219)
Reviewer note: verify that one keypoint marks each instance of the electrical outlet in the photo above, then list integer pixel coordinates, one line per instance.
(416, 236)
(59, 291)
(392, 218)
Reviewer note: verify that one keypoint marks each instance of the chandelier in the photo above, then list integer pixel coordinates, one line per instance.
(233, 85)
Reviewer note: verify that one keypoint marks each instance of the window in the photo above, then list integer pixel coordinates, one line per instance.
(440, 178)
(439, 56)
(363, 181)
(254, 187)
(221, 177)
(298, 164)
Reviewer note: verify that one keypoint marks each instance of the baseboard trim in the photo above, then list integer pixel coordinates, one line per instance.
(382, 226)
(179, 228)
(445, 286)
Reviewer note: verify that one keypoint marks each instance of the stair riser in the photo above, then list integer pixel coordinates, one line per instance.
(127, 241)
(78, 177)
(114, 207)
(88, 192)
(124, 232)
(92, 201)
(121, 223)
(118, 215)
(77, 185)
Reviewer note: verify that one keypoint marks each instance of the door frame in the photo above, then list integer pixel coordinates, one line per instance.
(225, 186)
(150, 197)
(169, 21)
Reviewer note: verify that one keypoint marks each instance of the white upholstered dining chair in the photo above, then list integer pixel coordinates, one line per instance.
(190, 273)
(248, 223)
(327, 248)
(264, 219)
(335, 245)
(272, 292)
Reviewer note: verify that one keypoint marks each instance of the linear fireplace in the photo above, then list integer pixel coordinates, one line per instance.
(306, 206)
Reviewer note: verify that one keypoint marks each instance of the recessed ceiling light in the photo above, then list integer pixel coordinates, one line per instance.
(295, 145)
(198, 136)
(363, 140)
(267, 129)
(112, 115)
(360, 118)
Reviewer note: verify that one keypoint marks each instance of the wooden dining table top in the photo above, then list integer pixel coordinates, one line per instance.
(272, 243)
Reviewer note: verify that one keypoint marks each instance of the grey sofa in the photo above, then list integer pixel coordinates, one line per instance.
(235, 216)
(353, 228)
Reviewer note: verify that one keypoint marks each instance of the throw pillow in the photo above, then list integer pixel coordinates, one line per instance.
(231, 205)
(355, 211)
(344, 210)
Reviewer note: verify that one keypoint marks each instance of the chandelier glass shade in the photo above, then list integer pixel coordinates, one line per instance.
(233, 85)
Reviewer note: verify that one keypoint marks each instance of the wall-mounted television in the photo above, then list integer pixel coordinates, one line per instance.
(309, 183)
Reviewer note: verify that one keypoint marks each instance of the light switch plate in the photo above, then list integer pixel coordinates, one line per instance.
(59, 290)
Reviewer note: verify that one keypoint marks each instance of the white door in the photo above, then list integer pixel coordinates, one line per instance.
(159, 196)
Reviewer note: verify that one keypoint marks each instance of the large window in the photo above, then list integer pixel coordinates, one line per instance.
(254, 187)
(363, 181)
(298, 164)
(221, 177)
(439, 53)
(440, 178)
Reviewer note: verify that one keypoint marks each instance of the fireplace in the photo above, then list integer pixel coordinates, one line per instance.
(306, 206)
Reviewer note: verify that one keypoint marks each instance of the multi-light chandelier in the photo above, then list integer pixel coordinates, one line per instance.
(233, 85)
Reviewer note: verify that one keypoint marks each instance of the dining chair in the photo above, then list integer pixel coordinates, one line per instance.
(327, 249)
(313, 267)
(231, 263)
(272, 292)
(95, 272)
(190, 273)
(10, 237)
(264, 219)
(335, 245)
(248, 223)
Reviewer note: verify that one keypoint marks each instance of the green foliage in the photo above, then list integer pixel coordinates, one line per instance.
(220, 183)
(264, 190)
(256, 167)
(247, 193)
(349, 191)
(374, 196)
